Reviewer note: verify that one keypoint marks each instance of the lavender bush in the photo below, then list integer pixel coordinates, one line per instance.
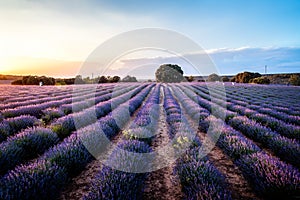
(25, 146)
(269, 176)
(9, 127)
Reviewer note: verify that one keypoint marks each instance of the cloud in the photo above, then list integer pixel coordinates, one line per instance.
(278, 59)
(229, 60)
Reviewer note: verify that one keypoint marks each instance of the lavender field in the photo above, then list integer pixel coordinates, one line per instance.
(44, 132)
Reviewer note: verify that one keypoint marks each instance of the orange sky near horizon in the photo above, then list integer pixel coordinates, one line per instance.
(39, 66)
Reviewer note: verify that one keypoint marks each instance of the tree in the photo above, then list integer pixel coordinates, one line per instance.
(103, 79)
(225, 79)
(129, 79)
(213, 77)
(294, 79)
(17, 82)
(35, 80)
(261, 80)
(69, 81)
(88, 80)
(169, 73)
(114, 79)
(246, 77)
(47, 80)
(79, 80)
(190, 79)
(32, 80)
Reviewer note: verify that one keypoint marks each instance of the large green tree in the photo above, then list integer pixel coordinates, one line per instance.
(169, 73)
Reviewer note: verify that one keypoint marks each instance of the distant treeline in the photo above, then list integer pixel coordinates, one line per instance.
(34, 80)
(43, 80)
(79, 80)
(293, 79)
(251, 77)
(244, 77)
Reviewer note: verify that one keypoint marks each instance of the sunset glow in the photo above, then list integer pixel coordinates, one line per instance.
(54, 37)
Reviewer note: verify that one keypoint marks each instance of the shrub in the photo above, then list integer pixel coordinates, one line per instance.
(295, 80)
(225, 79)
(114, 184)
(269, 176)
(11, 126)
(286, 149)
(201, 180)
(71, 154)
(39, 180)
(245, 77)
(190, 78)
(64, 126)
(51, 114)
(24, 146)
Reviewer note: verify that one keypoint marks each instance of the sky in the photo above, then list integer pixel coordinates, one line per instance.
(56, 38)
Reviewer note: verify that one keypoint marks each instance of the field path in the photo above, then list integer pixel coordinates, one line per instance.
(162, 184)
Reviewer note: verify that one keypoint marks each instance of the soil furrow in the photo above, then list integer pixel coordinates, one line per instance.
(162, 183)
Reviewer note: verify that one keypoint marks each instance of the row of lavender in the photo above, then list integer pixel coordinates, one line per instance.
(75, 94)
(68, 101)
(249, 95)
(36, 98)
(43, 177)
(199, 178)
(277, 98)
(280, 95)
(285, 148)
(11, 126)
(256, 113)
(286, 109)
(271, 109)
(11, 94)
(265, 172)
(128, 156)
(23, 95)
(29, 143)
(36, 108)
(252, 124)
(269, 176)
